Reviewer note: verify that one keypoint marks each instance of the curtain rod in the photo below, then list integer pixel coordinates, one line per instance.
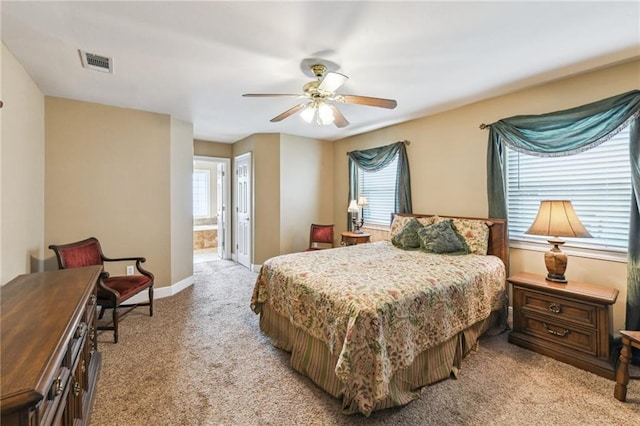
(484, 126)
(406, 142)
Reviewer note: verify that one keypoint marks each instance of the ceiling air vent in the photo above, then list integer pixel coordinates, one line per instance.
(96, 62)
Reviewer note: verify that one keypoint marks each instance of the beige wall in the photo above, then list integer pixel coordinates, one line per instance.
(21, 171)
(306, 189)
(266, 196)
(447, 158)
(108, 174)
(181, 201)
(212, 149)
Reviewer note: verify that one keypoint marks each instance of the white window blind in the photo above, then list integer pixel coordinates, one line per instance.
(597, 181)
(201, 193)
(380, 189)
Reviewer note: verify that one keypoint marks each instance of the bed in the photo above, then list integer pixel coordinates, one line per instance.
(373, 323)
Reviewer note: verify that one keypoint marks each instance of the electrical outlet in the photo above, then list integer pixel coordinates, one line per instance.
(130, 270)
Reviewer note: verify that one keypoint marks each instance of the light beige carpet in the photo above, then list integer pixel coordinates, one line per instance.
(202, 360)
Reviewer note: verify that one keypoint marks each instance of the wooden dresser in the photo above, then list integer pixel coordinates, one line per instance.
(569, 322)
(50, 362)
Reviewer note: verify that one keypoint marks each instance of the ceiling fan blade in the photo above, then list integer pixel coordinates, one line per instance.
(365, 100)
(338, 118)
(269, 95)
(289, 112)
(331, 81)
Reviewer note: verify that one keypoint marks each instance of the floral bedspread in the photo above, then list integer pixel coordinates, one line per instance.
(377, 306)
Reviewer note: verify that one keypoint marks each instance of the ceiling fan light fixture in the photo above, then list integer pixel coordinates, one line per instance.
(308, 113)
(319, 113)
(325, 114)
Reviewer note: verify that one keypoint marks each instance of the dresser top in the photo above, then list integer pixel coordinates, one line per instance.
(584, 291)
(40, 313)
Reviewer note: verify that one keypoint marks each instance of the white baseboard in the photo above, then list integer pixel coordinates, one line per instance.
(159, 293)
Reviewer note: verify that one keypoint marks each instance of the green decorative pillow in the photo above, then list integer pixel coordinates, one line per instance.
(400, 221)
(442, 237)
(475, 234)
(407, 237)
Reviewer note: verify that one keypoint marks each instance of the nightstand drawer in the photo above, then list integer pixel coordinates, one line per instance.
(557, 307)
(559, 333)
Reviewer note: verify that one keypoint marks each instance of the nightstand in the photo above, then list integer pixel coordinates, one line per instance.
(569, 322)
(353, 238)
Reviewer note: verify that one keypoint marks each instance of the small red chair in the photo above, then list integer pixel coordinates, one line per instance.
(320, 237)
(112, 291)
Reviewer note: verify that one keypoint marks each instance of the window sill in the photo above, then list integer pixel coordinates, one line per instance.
(610, 256)
(376, 226)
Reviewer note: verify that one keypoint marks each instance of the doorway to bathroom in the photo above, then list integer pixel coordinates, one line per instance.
(211, 195)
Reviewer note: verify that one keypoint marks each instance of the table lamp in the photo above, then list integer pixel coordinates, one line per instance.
(557, 218)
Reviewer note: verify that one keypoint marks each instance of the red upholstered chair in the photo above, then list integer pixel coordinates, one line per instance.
(112, 291)
(320, 237)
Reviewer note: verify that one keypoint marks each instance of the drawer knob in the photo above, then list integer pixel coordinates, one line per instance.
(56, 389)
(556, 333)
(554, 307)
(82, 327)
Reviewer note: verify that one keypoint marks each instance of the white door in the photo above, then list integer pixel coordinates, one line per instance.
(243, 209)
(222, 211)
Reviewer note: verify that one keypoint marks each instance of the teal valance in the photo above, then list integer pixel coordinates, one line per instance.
(377, 158)
(567, 132)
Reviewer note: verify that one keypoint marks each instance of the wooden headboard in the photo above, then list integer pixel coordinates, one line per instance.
(498, 242)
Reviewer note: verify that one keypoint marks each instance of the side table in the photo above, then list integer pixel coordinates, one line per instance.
(353, 238)
(569, 322)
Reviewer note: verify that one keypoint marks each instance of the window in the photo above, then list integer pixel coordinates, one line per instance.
(597, 181)
(380, 189)
(201, 201)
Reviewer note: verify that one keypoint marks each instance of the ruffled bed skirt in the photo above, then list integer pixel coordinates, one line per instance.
(311, 357)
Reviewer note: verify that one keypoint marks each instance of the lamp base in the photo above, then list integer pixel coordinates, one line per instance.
(556, 262)
(356, 226)
(556, 278)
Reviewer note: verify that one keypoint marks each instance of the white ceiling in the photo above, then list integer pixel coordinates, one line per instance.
(194, 60)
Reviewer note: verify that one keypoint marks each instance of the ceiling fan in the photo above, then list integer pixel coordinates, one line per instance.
(319, 98)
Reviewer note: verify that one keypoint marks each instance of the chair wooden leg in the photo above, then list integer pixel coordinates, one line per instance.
(150, 301)
(115, 325)
(622, 374)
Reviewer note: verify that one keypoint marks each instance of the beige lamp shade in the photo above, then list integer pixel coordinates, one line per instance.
(353, 207)
(557, 218)
(362, 201)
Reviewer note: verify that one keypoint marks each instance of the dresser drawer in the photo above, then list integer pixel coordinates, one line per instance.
(573, 311)
(560, 333)
(52, 405)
